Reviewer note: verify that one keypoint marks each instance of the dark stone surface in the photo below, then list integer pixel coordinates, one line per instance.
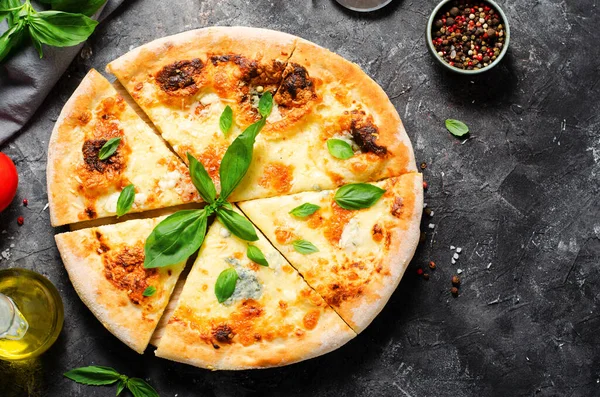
(521, 197)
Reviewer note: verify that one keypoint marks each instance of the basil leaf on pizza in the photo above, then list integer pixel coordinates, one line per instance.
(201, 180)
(265, 105)
(256, 255)
(126, 199)
(175, 239)
(456, 127)
(339, 149)
(237, 224)
(305, 210)
(139, 388)
(356, 196)
(149, 291)
(226, 120)
(93, 375)
(304, 247)
(109, 148)
(237, 158)
(226, 284)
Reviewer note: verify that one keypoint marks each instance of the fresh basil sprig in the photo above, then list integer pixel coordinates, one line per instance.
(149, 291)
(304, 247)
(101, 376)
(201, 180)
(265, 105)
(55, 28)
(109, 148)
(126, 199)
(85, 7)
(237, 224)
(255, 255)
(339, 149)
(226, 120)
(304, 210)
(356, 196)
(226, 283)
(176, 238)
(456, 127)
(181, 234)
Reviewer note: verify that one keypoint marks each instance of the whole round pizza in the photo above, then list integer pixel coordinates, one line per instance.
(279, 171)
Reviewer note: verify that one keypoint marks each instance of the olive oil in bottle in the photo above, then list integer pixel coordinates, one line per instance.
(31, 314)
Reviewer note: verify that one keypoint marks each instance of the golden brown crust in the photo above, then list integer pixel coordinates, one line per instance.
(83, 187)
(113, 295)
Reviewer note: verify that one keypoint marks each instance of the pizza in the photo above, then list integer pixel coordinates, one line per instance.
(362, 254)
(329, 195)
(185, 81)
(105, 265)
(82, 187)
(280, 319)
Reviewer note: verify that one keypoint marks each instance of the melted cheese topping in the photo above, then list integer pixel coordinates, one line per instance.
(353, 244)
(270, 305)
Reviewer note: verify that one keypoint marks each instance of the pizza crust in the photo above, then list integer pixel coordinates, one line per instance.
(132, 323)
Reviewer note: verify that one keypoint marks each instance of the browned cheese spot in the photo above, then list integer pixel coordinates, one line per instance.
(311, 319)
(397, 207)
(180, 78)
(124, 268)
(365, 133)
(278, 177)
(297, 88)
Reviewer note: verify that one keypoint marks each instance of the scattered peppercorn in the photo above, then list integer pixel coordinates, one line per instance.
(427, 211)
(25, 202)
(468, 35)
(422, 237)
(432, 265)
(454, 291)
(425, 185)
(423, 165)
(455, 280)
(20, 220)
(420, 272)
(426, 276)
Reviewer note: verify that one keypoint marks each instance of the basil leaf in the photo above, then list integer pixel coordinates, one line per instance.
(11, 38)
(109, 148)
(304, 247)
(60, 29)
(85, 7)
(237, 158)
(139, 388)
(265, 105)
(93, 375)
(226, 120)
(305, 210)
(149, 291)
(8, 8)
(201, 180)
(255, 255)
(38, 45)
(457, 127)
(339, 149)
(356, 196)
(226, 284)
(237, 224)
(125, 200)
(120, 386)
(175, 238)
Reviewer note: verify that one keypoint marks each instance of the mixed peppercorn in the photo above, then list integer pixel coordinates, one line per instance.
(468, 35)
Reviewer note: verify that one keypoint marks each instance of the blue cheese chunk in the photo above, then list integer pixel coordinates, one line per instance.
(247, 286)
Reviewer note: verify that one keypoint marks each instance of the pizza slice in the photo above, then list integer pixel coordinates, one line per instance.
(83, 185)
(272, 317)
(106, 266)
(330, 123)
(354, 258)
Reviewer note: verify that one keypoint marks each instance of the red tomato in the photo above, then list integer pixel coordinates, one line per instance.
(9, 180)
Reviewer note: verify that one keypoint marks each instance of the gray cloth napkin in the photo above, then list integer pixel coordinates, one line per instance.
(26, 80)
